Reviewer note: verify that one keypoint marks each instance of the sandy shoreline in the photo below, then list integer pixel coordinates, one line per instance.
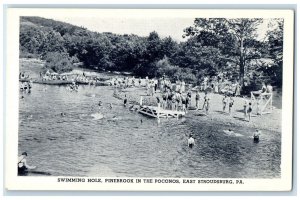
(267, 121)
(216, 114)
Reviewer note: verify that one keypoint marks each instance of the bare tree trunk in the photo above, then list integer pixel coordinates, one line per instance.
(242, 63)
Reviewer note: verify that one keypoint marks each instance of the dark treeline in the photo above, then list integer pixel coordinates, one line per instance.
(213, 46)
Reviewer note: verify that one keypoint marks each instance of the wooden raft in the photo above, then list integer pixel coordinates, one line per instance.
(154, 111)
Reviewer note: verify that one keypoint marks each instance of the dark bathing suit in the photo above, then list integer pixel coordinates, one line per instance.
(22, 170)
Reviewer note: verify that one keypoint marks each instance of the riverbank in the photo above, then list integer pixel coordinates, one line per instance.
(271, 122)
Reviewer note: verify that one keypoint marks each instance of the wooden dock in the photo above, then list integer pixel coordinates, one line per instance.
(154, 111)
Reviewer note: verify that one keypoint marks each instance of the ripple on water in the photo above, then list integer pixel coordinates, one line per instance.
(92, 141)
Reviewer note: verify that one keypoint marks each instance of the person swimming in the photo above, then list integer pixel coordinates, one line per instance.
(100, 103)
(191, 141)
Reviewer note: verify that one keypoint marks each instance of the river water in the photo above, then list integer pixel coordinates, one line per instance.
(116, 142)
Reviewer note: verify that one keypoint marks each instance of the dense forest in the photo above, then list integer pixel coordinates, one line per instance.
(213, 46)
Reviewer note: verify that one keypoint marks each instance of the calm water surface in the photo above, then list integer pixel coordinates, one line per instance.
(82, 143)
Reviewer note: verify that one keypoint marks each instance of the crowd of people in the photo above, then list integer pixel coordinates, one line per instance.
(179, 96)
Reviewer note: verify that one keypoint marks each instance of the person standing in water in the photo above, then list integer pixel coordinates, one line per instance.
(191, 141)
(256, 135)
(22, 164)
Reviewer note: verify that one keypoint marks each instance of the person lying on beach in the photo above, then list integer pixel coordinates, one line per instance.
(191, 141)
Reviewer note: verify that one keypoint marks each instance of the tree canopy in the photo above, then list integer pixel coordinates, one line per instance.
(212, 45)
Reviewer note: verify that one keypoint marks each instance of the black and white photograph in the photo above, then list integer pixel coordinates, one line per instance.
(152, 96)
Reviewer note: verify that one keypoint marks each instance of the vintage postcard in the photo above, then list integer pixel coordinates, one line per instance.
(149, 99)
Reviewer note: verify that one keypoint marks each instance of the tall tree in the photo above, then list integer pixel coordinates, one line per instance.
(275, 47)
(233, 33)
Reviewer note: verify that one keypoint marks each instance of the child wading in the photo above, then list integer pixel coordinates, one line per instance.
(256, 136)
(191, 141)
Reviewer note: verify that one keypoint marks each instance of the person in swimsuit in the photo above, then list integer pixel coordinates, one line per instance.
(177, 101)
(191, 141)
(22, 165)
(230, 105)
(125, 101)
(189, 97)
(205, 100)
(245, 107)
(158, 102)
(169, 100)
(249, 111)
(224, 100)
(183, 101)
(207, 106)
(256, 136)
(173, 102)
(197, 100)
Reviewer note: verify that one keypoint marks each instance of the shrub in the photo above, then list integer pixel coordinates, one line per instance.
(58, 62)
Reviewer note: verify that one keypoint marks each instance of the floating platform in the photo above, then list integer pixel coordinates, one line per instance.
(154, 111)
